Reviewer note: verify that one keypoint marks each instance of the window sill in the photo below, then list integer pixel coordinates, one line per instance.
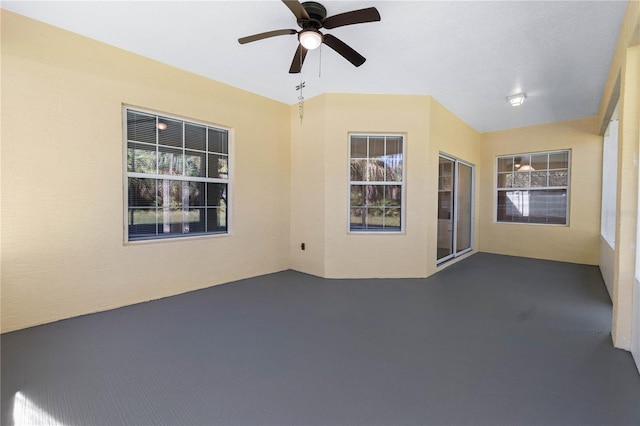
(566, 225)
(177, 238)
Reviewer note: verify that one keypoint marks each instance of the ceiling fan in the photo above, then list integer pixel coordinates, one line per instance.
(312, 16)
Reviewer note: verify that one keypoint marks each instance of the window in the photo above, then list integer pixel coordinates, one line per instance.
(376, 183)
(533, 188)
(177, 177)
(610, 181)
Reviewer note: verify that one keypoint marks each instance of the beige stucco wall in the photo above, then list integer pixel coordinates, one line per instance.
(450, 135)
(321, 215)
(628, 37)
(62, 181)
(622, 86)
(308, 187)
(627, 200)
(375, 255)
(579, 241)
(62, 178)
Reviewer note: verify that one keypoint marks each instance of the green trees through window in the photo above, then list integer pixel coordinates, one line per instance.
(376, 183)
(177, 177)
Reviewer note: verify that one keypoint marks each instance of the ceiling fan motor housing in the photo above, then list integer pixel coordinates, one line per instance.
(311, 16)
(316, 12)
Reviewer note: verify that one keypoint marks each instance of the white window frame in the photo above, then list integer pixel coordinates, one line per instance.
(181, 178)
(608, 216)
(382, 183)
(567, 187)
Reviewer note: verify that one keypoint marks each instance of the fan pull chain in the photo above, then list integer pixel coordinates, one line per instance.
(300, 100)
(320, 63)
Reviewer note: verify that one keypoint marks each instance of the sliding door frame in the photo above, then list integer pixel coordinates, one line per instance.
(456, 189)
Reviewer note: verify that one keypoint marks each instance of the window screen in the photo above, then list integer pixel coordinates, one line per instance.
(533, 187)
(177, 177)
(376, 183)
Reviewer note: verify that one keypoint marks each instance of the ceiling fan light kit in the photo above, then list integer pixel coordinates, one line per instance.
(310, 39)
(311, 16)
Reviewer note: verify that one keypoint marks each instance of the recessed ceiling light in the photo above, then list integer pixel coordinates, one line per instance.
(517, 100)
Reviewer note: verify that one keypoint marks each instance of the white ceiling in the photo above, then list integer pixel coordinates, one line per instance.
(468, 55)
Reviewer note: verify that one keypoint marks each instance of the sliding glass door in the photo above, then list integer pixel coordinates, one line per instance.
(455, 208)
(446, 184)
(464, 212)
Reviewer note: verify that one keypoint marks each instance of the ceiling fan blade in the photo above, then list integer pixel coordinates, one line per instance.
(296, 8)
(360, 16)
(268, 34)
(347, 52)
(298, 60)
